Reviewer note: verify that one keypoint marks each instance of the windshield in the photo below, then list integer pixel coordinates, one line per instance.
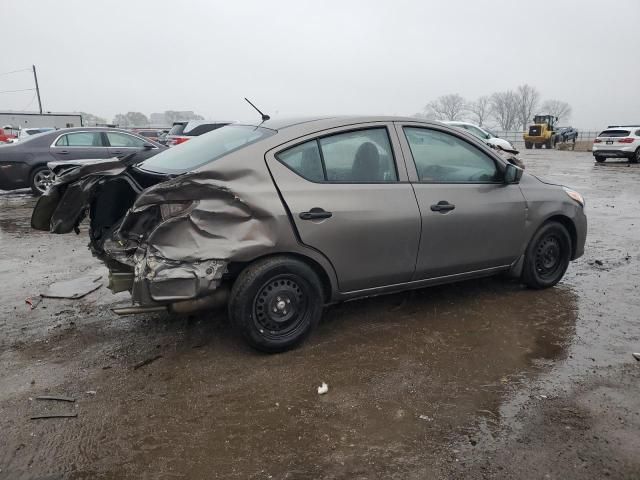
(177, 129)
(205, 148)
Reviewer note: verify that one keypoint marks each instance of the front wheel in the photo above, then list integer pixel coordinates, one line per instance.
(275, 303)
(547, 256)
(41, 179)
(600, 159)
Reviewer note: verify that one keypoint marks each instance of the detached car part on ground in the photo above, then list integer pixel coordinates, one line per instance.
(283, 218)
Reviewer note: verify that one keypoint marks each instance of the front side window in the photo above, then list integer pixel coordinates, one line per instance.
(123, 140)
(80, 139)
(362, 156)
(443, 158)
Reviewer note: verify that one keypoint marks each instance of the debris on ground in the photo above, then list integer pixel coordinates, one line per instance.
(54, 397)
(33, 302)
(54, 415)
(598, 262)
(73, 289)
(90, 392)
(636, 356)
(146, 362)
(322, 389)
(425, 417)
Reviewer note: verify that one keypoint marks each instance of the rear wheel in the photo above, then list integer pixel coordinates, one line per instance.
(636, 156)
(549, 144)
(537, 145)
(600, 159)
(528, 145)
(547, 256)
(41, 179)
(275, 303)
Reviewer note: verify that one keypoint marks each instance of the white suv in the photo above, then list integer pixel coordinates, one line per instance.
(621, 141)
(483, 135)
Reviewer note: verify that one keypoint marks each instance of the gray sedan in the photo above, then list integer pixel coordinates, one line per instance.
(279, 219)
(24, 164)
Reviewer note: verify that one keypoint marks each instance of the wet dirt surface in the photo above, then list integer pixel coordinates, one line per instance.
(481, 379)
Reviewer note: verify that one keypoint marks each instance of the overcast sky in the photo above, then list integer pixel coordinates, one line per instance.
(297, 57)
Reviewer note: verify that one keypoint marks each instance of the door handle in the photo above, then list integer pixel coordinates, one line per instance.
(442, 206)
(63, 151)
(117, 153)
(315, 214)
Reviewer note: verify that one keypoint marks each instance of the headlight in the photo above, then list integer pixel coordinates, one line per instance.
(574, 195)
(169, 210)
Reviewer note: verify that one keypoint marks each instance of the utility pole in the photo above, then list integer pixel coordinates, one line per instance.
(35, 77)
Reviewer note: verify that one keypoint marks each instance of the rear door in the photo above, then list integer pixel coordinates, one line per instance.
(349, 197)
(122, 144)
(471, 220)
(80, 146)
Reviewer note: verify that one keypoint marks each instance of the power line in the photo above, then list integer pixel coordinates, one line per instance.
(15, 71)
(14, 91)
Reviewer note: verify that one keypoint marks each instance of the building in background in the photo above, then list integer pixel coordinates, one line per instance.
(19, 120)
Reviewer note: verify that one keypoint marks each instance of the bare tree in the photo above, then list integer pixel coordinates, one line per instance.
(447, 107)
(480, 109)
(557, 108)
(528, 99)
(504, 109)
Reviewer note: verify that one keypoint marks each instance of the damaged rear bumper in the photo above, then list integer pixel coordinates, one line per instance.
(160, 281)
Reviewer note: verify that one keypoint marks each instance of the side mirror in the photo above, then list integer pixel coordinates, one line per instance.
(147, 146)
(512, 174)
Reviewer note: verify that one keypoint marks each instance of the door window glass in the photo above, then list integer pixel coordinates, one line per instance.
(443, 158)
(123, 140)
(80, 139)
(305, 160)
(362, 156)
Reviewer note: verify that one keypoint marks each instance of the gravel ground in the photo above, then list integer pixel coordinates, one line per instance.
(481, 379)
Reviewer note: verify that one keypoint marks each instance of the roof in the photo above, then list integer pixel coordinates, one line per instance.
(329, 121)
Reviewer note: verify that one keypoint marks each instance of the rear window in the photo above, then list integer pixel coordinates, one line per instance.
(615, 133)
(147, 133)
(177, 129)
(204, 128)
(205, 149)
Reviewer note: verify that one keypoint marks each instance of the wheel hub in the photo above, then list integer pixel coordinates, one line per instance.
(548, 256)
(279, 305)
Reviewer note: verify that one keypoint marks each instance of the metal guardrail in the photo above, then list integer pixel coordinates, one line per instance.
(515, 136)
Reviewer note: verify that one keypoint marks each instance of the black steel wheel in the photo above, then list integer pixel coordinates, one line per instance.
(547, 256)
(275, 303)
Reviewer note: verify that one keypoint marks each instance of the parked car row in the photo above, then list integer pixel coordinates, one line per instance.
(278, 219)
(24, 164)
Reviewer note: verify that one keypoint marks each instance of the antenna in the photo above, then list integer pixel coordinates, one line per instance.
(264, 117)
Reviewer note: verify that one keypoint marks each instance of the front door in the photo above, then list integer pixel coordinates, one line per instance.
(349, 199)
(471, 219)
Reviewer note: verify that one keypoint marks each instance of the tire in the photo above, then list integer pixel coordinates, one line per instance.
(600, 159)
(41, 178)
(537, 145)
(528, 145)
(636, 156)
(547, 256)
(261, 295)
(549, 144)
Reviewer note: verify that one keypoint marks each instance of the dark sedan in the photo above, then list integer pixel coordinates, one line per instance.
(24, 164)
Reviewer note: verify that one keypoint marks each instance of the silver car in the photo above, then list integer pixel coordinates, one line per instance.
(283, 218)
